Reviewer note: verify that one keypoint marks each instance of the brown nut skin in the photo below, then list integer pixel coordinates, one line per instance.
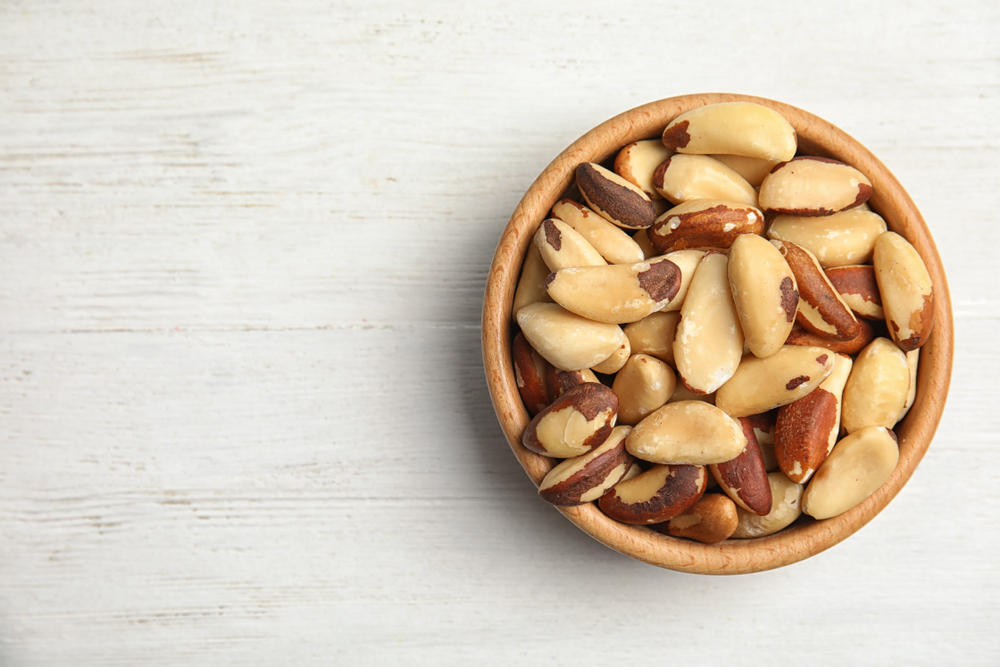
(804, 337)
(807, 429)
(559, 382)
(744, 479)
(704, 223)
(859, 290)
(821, 309)
(709, 521)
(810, 186)
(614, 198)
(586, 478)
(531, 374)
(575, 423)
(655, 496)
(786, 507)
(906, 289)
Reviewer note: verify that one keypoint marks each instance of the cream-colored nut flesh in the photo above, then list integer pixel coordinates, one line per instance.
(808, 429)
(566, 340)
(708, 343)
(744, 478)
(531, 285)
(559, 382)
(690, 432)
(710, 520)
(682, 178)
(704, 223)
(657, 495)
(654, 335)
(616, 293)
(611, 196)
(610, 241)
(587, 477)
(821, 308)
(575, 423)
(614, 363)
(913, 362)
(786, 507)
(752, 169)
(906, 289)
(732, 128)
(859, 290)
(687, 261)
(840, 239)
(876, 390)
(644, 384)
(563, 247)
(858, 465)
(764, 292)
(682, 393)
(787, 375)
(803, 337)
(530, 374)
(637, 162)
(641, 239)
(812, 186)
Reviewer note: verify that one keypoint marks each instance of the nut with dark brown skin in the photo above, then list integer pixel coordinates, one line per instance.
(821, 308)
(559, 382)
(575, 423)
(811, 186)
(808, 429)
(611, 196)
(859, 289)
(744, 478)
(704, 223)
(803, 337)
(657, 495)
(531, 374)
(586, 478)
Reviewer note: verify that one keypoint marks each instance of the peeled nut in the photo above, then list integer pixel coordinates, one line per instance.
(613, 197)
(641, 239)
(611, 242)
(744, 478)
(752, 169)
(643, 385)
(907, 291)
(787, 375)
(813, 186)
(821, 309)
(531, 285)
(614, 363)
(657, 495)
(654, 335)
(732, 128)
(562, 247)
(876, 390)
(586, 478)
(566, 340)
(764, 292)
(859, 290)
(637, 162)
(786, 507)
(682, 178)
(687, 432)
(530, 373)
(575, 423)
(858, 465)
(807, 429)
(710, 520)
(804, 337)
(687, 261)
(616, 292)
(704, 223)
(836, 240)
(913, 362)
(709, 340)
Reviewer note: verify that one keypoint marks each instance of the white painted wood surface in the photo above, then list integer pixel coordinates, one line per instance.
(242, 253)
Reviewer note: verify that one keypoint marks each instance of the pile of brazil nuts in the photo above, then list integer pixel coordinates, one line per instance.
(721, 335)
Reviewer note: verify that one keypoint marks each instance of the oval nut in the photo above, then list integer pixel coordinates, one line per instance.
(813, 186)
(566, 340)
(614, 363)
(690, 432)
(643, 385)
(562, 247)
(682, 178)
(856, 468)
(704, 223)
(744, 478)
(859, 290)
(876, 390)
(610, 241)
(657, 495)
(710, 520)
(906, 289)
(637, 162)
(787, 375)
(836, 240)
(611, 196)
(764, 292)
(575, 423)
(732, 128)
(585, 478)
(821, 309)
(786, 507)
(530, 374)
(654, 335)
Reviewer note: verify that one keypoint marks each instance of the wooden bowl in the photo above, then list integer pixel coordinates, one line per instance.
(806, 537)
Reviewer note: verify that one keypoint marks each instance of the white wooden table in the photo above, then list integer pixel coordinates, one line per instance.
(242, 254)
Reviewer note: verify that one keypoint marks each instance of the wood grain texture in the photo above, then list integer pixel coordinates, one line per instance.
(242, 259)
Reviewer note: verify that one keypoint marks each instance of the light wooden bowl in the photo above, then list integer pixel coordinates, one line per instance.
(806, 537)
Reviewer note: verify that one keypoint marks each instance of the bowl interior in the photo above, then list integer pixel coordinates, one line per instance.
(807, 536)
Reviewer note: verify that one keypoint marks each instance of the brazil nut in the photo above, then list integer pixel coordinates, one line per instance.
(611, 196)
(764, 292)
(585, 478)
(744, 478)
(690, 432)
(562, 247)
(813, 186)
(610, 241)
(657, 495)
(787, 375)
(704, 223)
(566, 340)
(732, 128)
(682, 178)
(637, 162)
(575, 423)
(710, 520)
(877, 387)
(858, 465)
(906, 289)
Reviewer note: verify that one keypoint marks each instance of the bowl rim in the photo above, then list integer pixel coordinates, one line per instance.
(734, 556)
